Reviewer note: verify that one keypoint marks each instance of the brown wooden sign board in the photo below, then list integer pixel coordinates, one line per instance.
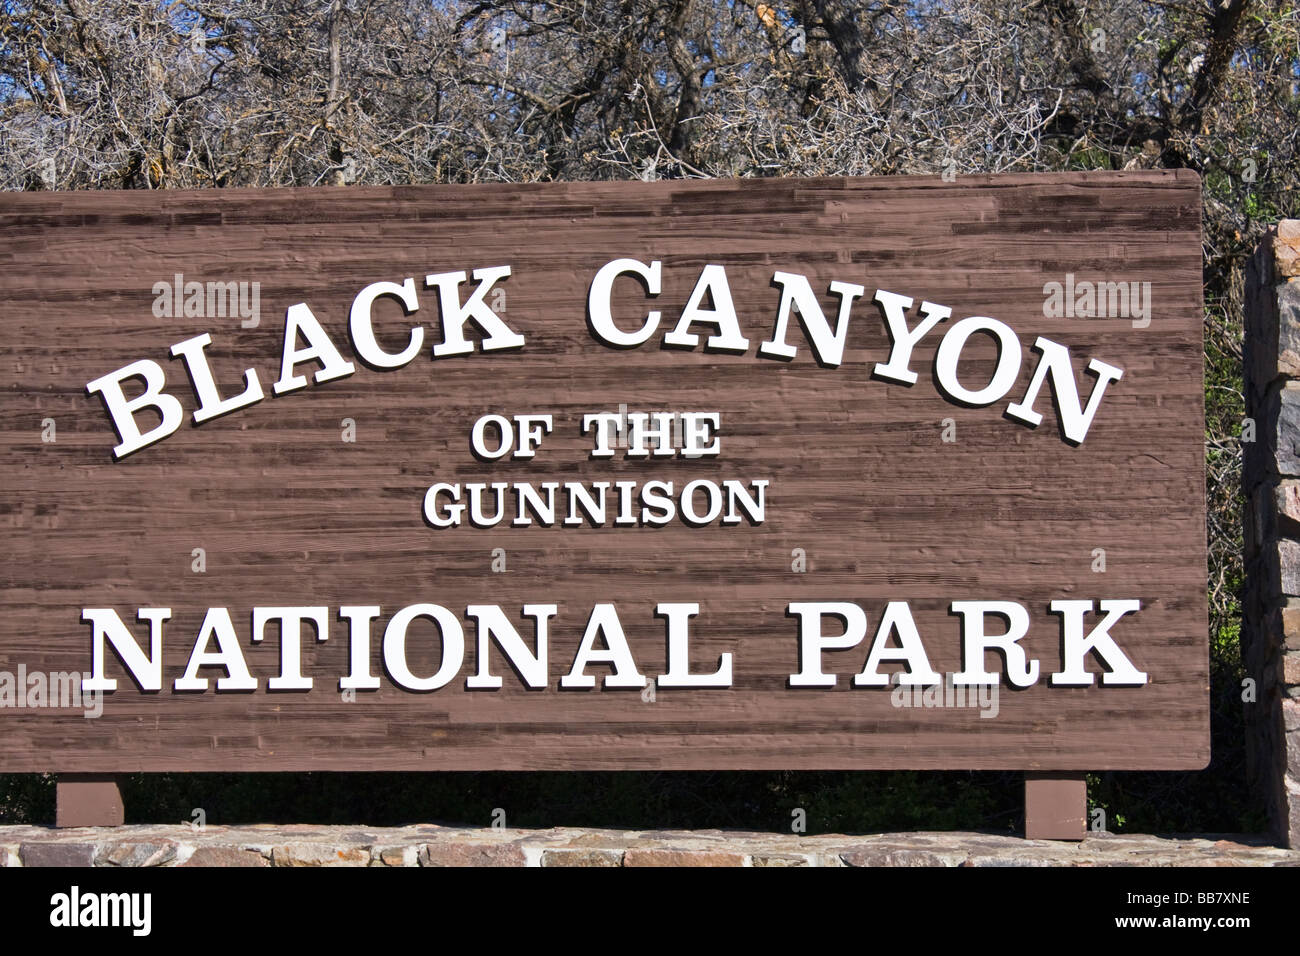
(805, 526)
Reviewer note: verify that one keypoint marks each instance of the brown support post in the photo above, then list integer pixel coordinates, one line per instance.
(1056, 806)
(88, 800)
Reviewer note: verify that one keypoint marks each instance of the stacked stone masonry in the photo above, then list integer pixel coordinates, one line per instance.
(429, 845)
(1271, 485)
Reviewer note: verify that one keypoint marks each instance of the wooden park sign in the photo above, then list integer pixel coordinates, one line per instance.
(829, 473)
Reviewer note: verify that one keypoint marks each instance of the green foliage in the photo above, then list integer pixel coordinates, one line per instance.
(26, 798)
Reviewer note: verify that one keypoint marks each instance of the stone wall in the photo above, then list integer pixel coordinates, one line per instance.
(1271, 482)
(429, 845)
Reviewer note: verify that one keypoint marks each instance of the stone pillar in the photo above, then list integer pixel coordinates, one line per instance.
(1270, 636)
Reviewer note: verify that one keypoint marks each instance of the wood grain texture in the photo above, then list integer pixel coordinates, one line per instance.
(288, 514)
